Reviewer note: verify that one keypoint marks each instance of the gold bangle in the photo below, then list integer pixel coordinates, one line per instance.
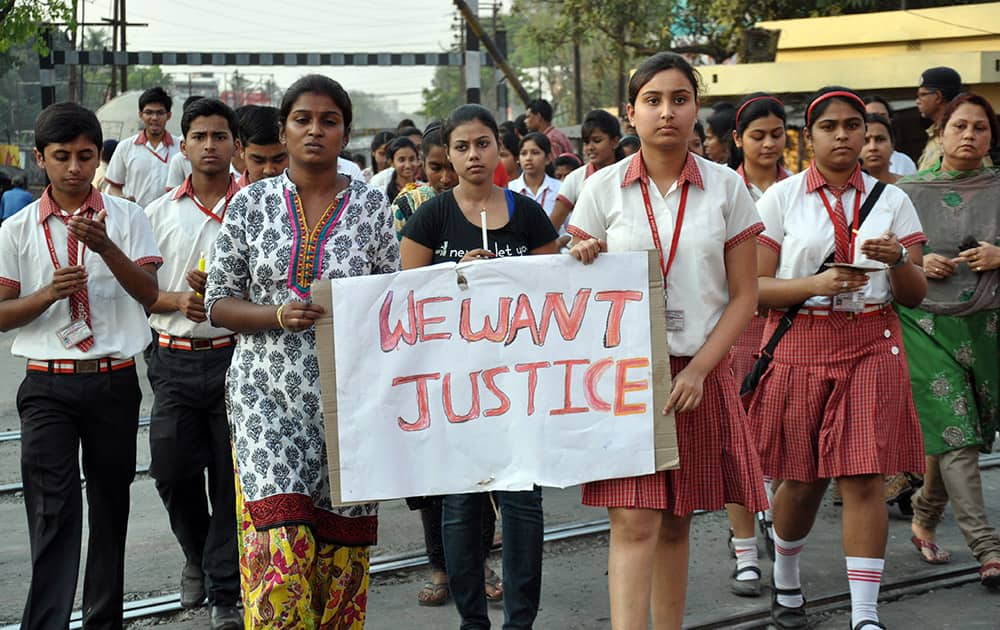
(277, 314)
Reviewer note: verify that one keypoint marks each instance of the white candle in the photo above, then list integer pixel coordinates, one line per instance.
(486, 244)
(79, 244)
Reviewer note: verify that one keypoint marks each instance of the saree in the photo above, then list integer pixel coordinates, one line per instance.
(951, 338)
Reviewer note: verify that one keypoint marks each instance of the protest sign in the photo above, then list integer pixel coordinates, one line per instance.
(494, 375)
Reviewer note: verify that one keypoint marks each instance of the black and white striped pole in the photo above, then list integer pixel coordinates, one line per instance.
(471, 57)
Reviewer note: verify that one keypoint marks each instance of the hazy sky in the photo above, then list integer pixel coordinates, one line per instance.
(297, 26)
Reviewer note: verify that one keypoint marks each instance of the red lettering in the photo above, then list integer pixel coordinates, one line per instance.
(623, 386)
(594, 374)
(424, 420)
(489, 332)
(489, 377)
(423, 321)
(449, 411)
(613, 329)
(532, 370)
(567, 391)
(524, 317)
(568, 323)
(391, 339)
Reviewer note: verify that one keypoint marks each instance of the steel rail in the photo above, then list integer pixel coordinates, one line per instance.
(14, 436)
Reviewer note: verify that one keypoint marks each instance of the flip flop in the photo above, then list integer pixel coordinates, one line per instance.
(937, 554)
(433, 594)
(494, 587)
(989, 573)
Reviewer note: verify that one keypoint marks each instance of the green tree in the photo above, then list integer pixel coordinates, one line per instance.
(21, 19)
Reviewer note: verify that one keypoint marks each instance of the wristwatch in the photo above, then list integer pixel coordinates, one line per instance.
(904, 257)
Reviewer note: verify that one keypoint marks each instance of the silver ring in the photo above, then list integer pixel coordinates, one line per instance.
(843, 284)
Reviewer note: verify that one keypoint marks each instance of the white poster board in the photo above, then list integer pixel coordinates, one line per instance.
(494, 375)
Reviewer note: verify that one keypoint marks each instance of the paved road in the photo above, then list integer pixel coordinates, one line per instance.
(575, 582)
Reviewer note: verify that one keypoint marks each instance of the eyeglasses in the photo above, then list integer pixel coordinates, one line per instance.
(154, 113)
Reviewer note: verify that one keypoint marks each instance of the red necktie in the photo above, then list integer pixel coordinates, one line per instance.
(841, 231)
(79, 302)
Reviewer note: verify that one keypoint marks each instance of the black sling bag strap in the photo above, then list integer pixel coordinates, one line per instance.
(767, 353)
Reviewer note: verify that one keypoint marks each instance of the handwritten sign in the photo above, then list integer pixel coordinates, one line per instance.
(494, 375)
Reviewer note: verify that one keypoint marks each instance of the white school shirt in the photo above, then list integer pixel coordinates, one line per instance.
(901, 164)
(719, 215)
(798, 228)
(180, 168)
(349, 168)
(185, 230)
(381, 179)
(545, 197)
(140, 170)
(117, 320)
(569, 190)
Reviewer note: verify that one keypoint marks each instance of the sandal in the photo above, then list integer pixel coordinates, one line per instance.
(494, 587)
(745, 588)
(785, 617)
(433, 594)
(929, 551)
(989, 573)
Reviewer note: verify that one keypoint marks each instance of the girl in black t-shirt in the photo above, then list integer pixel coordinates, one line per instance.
(449, 228)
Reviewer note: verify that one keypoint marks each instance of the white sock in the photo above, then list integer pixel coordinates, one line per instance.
(769, 491)
(786, 568)
(864, 576)
(746, 556)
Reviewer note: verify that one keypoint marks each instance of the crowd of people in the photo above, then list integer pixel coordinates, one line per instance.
(839, 323)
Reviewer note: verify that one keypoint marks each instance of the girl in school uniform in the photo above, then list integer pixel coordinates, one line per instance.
(701, 218)
(755, 151)
(535, 183)
(835, 403)
(601, 134)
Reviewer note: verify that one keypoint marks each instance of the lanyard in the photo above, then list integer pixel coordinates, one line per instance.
(852, 229)
(542, 202)
(52, 247)
(678, 224)
(215, 217)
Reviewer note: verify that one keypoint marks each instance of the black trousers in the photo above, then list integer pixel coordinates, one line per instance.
(59, 415)
(189, 436)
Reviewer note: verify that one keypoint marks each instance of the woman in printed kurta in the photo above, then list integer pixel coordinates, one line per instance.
(304, 563)
(952, 337)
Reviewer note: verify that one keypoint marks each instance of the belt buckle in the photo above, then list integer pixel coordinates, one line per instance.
(201, 344)
(90, 366)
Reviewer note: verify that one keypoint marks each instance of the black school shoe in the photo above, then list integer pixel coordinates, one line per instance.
(192, 586)
(784, 617)
(866, 624)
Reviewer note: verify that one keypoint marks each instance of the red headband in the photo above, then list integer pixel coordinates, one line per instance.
(736, 123)
(841, 93)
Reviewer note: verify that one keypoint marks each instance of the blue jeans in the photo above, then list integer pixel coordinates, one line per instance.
(461, 529)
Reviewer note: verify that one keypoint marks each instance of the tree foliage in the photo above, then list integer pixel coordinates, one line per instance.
(20, 19)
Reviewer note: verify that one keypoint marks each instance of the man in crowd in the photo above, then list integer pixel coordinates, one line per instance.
(938, 86)
(538, 117)
(138, 168)
(16, 198)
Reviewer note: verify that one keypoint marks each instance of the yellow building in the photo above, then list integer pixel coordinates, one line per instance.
(874, 53)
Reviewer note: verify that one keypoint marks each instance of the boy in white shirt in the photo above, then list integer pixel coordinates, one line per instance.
(138, 169)
(189, 431)
(77, 269)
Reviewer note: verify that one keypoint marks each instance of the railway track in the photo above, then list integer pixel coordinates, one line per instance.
(945, 577)
(14, 436)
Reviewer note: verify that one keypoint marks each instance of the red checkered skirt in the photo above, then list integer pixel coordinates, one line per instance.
(743, 354)
(836, 400)
(718, 464)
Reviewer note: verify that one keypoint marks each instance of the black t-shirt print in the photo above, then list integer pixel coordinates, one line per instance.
(439, 225)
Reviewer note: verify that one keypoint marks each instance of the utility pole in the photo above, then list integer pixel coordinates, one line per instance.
(73, 81)
(124, 23)
(471, 57)
(577, 79)
(114, 48)
(472, 20)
